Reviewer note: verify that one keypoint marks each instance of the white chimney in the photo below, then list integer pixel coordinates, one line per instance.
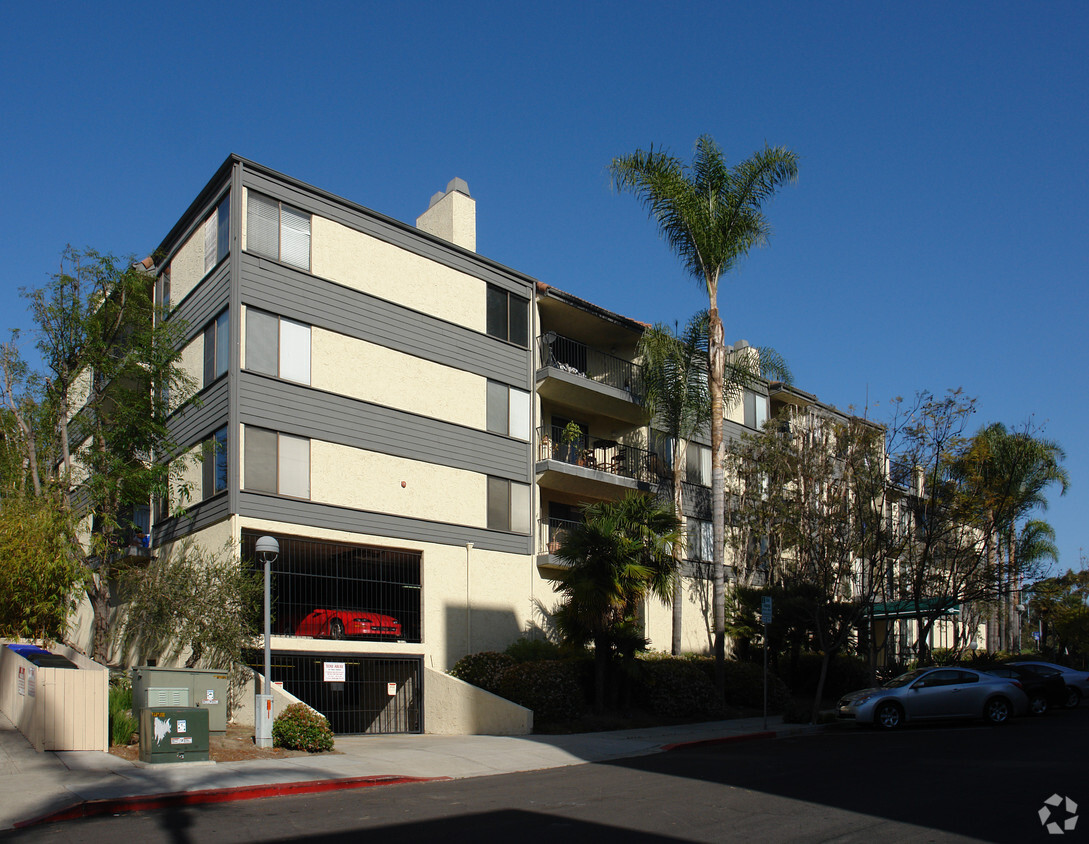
(451, 216)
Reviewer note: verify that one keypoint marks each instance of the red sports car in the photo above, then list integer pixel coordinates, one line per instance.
(347, 624)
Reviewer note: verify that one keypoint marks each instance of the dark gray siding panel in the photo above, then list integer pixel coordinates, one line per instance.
(282, 290)
(193, 424)
(197, 517)
(204, 301)
(312, 514)
(390, 231)
(294, 409)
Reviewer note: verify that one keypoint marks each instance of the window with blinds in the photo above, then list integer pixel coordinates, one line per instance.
(277, 463)
(277, 346)
(277, 231)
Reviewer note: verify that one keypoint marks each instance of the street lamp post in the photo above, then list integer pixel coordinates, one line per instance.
(268, 550)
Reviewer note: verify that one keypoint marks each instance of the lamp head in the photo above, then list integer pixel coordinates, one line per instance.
(268, 549)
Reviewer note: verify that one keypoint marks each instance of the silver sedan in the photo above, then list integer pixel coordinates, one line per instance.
(932, 693)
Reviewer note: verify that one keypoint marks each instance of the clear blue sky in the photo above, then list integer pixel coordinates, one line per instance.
(937, 236)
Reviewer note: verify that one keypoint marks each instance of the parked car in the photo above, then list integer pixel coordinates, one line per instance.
(1044, 690)
(346, 624)
(931, 693)
(1077, 682)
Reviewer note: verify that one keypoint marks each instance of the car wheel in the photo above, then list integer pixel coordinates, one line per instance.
(888, 716)
(336, 629)
(997, 711)
(1038, 704)
(1073, 698)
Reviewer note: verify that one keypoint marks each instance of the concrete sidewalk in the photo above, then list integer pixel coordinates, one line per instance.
(57, 785)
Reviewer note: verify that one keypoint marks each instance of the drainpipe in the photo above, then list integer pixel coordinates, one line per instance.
(468, 602)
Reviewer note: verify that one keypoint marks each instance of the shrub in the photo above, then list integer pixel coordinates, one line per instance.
(675, 688)
(482, 669)
(530, 650)
(549, 687)
(845, 674)
(123, 724)
(745, 684)
(301, 728)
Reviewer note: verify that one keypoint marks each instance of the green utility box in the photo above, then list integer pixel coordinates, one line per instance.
(157, 688)
(174, 734)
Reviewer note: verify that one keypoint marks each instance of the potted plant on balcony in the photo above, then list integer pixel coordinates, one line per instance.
(570, 439)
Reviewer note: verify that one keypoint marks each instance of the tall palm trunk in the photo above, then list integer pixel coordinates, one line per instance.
(678, 590)
(717, 369)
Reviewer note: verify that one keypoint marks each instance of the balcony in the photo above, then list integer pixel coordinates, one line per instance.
(577, 375)
(552, 532)
(595, 467)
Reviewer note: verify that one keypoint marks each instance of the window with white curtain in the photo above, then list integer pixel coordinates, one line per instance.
(701, 543)
(277, 463)
(217, 229)
(277, 231)
(756, 410)
(508, 505)
(277, 346)
(508, 411)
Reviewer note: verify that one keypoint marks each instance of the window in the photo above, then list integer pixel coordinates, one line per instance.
(216, 348)
(214, 464)
(508, 411)
(701, 543)
(508, 505)
(277, 463)
(277, 346)
(756, 409)
(508, 316)
(217, 230)
(698, 464)
(163, 290)
(278, 231)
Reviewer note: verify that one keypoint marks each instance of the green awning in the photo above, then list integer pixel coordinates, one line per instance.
(911, 608)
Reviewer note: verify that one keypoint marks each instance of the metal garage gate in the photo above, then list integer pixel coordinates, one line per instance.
(372, 695)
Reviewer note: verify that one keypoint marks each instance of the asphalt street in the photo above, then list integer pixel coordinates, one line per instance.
(953, 782)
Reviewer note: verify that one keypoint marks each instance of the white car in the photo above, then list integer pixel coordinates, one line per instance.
(1077, 682)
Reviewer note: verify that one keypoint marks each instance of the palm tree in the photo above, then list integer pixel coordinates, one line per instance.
(616, 556)
(711, 215)
(678, 403)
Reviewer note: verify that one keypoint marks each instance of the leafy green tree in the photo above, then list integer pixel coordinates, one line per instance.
(1061, 605)
(711, 215)
(39, 572)
(111, 378)
(616, 556)
(812, 490)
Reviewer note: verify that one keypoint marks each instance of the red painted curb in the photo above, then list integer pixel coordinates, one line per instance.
(109, 806)
(724, 740)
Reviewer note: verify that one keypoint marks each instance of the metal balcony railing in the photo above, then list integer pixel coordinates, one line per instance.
(553, 532)
(603, 455)
(579, 359)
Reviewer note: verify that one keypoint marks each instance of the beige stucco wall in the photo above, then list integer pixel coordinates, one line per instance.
(452, 218)
(188, 468)
(454, 708)
(364, 263)
(394, 379)
(367, 480)
(695, 619)
(191, 359)
(187, 267)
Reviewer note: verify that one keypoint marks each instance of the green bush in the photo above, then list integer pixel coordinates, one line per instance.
(530, 650)
(549, 687)
(745, 684)
(123, 724)
(482, 669)
(845, 674)
(671, 687)
(301, 728)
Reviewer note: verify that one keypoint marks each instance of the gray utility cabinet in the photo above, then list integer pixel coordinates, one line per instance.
(204, 688)
(173, 734)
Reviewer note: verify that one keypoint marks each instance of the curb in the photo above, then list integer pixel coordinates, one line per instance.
(764, 734)
(117, 805)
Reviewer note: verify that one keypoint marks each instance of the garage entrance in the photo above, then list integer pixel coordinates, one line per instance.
(359, 694)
